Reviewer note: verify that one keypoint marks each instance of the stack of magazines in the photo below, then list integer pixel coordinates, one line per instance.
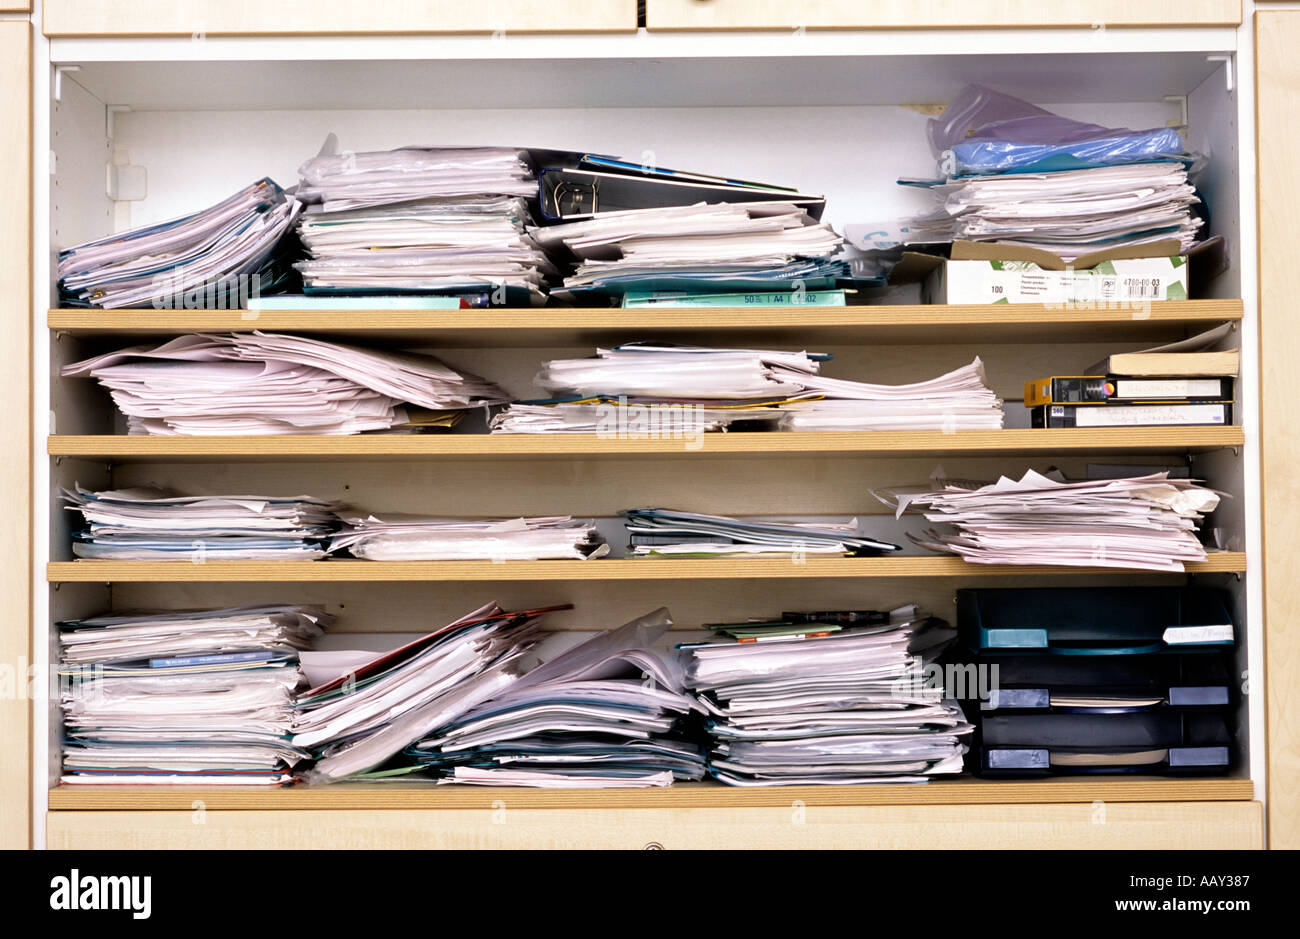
(185, 697)
(606, 713)
(827, 698)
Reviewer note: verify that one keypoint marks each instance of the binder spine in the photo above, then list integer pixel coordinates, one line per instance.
(1102, 389)
(1132, 414)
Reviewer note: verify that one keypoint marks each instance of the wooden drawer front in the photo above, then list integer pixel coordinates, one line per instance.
(1220, 825)
(921, 14)
(315, 17)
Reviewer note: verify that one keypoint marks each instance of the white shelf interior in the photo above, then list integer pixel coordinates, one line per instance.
(843, 114)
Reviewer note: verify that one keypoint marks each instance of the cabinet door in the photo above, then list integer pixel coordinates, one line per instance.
(15, 429)
(1278, 153)
(315, 17)
(854, 14)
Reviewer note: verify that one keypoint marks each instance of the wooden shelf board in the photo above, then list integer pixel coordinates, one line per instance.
(643, 569)
(125, 448)
(808, 326)
(428, 795)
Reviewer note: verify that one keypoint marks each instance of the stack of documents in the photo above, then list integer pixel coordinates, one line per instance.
(635, 418)
(186, 697)
(266, 383)
(397, 537)
(1144, 522)
(815, 702)
(215, 258)
(339, 182)
(444, 220)
(668, 533)
(1018, 174)
(603, 714)
(1075, 212)
(959, 400)
(156, 525)
(698, 249)
(365, 715)
(662, 390)
(681, 373)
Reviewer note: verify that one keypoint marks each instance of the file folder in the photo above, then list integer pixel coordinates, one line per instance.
(575, 186)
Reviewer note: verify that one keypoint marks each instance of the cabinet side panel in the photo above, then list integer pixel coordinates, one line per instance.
(1278, 81)
(15, 429)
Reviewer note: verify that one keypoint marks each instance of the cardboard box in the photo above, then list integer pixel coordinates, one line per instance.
(981, 273)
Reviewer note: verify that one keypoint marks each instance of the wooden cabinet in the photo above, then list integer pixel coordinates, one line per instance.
(1278, 150)
(15, 427)
(702, 101)
(316, 17)
(855, 14)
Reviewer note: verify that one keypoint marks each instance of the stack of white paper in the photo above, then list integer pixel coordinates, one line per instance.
(642, 389)
(444, 220)
(398, 537)
(851, 707)
(155, 525)
(226, 251)
(266, 383)
(959, 400)
(662, 391)
(669, 533)
(1069, 213)
(1145, 522)
(185, 697)
(344, 181)
(704, 247)
(358, 720)
(624, 417)
(602, 714)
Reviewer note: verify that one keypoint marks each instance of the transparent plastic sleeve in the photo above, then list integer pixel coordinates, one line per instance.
(984, 156)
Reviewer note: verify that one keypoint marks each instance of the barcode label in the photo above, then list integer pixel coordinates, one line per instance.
(1144, 287)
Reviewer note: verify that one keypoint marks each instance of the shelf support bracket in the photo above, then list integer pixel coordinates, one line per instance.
(1228, 60)
(59, 71)
(1181, 101)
